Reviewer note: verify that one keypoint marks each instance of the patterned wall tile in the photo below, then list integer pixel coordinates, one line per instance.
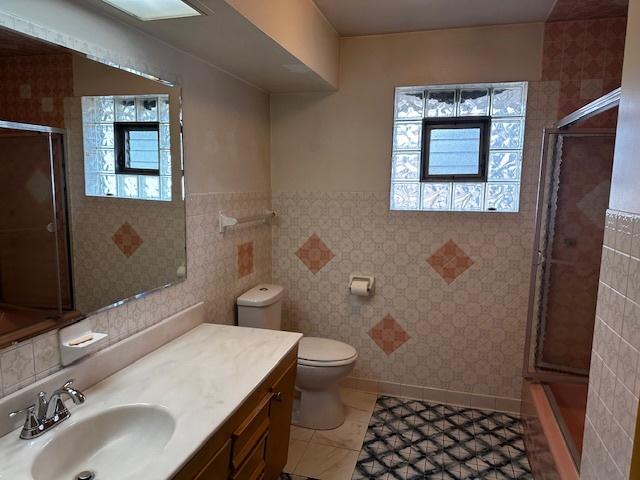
(452, 326)
(245, 259)
(449, 261)
(586, 9)
(388, 334)
(127, 239)
(17, 365)
(612, 406)
(46, 352)
(585, 56)
(34, 88)
(314, 254)
(212, 277)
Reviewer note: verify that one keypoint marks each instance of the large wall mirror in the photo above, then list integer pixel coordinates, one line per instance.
(91, 186)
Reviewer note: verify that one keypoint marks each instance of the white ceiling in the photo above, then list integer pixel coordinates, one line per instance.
(372, 17)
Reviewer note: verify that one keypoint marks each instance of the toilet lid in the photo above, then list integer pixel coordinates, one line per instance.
(315, 349)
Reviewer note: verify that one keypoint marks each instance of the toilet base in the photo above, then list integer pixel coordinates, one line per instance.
(318, 409)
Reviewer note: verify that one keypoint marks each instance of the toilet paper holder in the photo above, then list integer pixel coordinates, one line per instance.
(370, 279)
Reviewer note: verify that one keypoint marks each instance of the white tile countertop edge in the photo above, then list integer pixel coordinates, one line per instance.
(201, 377)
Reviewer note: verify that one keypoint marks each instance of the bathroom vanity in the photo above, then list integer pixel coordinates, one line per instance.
(213, 403)
(253, 443)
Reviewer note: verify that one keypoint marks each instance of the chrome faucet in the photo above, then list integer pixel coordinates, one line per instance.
(46, 414)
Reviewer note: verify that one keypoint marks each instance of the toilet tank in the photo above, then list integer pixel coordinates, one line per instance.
(261, 307)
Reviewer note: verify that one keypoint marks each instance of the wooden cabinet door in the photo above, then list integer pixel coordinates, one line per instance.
(280, 424)
(218, 467)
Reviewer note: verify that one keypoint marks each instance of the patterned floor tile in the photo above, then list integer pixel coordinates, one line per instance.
(411, 439)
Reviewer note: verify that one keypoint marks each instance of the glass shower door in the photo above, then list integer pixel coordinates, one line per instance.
(573, 200)
(575, 233)
(30, 263)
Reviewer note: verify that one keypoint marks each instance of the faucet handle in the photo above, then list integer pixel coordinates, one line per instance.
(30, 410)
(31, 422)
(32, 425)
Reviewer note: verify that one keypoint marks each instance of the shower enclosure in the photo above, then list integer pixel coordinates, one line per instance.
(573, 197)
(35, 281)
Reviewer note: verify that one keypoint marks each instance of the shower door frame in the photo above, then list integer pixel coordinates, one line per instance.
(611, 100)
(29, 127)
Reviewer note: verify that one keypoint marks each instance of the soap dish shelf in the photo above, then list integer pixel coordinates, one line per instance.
(69, 353)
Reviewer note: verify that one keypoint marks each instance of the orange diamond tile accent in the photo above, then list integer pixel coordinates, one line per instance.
(127, 239)
(450, 261)
(388, 335)
(245, 259)
(314, 254)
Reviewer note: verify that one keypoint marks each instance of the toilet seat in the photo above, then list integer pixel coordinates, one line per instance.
(324, 352)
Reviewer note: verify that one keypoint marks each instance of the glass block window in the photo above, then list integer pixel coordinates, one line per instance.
(145, 118)
(505, 106)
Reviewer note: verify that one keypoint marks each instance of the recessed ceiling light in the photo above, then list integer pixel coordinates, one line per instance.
(146, 10)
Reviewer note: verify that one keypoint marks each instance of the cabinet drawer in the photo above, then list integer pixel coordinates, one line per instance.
(218, 467)
(254, 465)
(251, 431)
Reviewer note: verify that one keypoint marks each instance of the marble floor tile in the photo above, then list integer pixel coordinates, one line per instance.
(300, 433)
(327, 463)
(296, 450)
(348, 435)
(360, 400)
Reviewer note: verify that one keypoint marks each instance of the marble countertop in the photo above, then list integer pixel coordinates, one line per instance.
(201, 377)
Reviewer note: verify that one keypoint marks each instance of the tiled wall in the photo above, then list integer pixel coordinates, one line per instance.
(451, 289)
(213, 276)
(587, 9)
(614, 384)
(586, 57)
(34, 87)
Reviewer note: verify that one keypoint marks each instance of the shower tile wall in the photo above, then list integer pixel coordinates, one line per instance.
(588, 9)
(455, 285)
(34, 88)
(214, 275)
(586, 57)
(614, 384)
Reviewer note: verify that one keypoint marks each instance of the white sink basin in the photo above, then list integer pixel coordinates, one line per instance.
(114, 444)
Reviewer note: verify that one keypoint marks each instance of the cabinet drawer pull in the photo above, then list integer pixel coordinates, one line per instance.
(248, 435)
(277, 396)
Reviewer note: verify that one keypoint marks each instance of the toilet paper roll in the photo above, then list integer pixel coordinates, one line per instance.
(360, 288)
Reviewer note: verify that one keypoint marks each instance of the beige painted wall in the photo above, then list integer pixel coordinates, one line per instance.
(299, 27)
(342, 141)
(625, 187)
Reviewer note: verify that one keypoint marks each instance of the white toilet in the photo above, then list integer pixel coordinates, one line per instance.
(322, 362)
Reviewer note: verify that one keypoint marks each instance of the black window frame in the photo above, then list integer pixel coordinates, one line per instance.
(439, 123)
(121, 132)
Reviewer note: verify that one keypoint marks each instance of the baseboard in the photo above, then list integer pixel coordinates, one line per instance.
(451, 397)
